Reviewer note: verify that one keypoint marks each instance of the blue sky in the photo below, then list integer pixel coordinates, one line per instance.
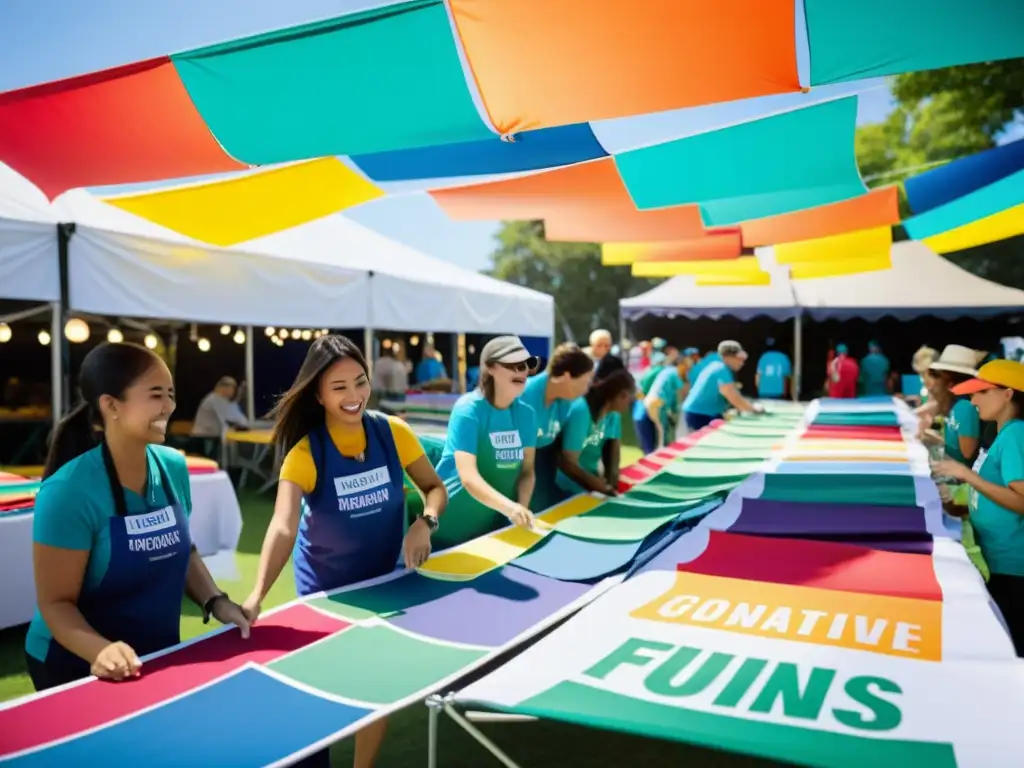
(43, 40)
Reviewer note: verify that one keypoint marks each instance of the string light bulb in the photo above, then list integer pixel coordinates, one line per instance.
(151, 341)
(239, 336)
(5, 333)
(44, 338)
(204, 345)
(76, 330)
(114, 336)
(269, 330)
(307, 335)
(225, 330)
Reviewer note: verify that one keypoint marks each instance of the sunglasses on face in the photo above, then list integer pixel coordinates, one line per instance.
(527, 365)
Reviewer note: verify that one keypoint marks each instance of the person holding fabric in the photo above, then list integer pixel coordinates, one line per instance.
(774, 370)
(996, 503)
(488, 460)
(550, 395)
(715, 389)
(340, 508)
(843, 375)
(961, 427)
(111, 544)
(646, 432)
(874, 371)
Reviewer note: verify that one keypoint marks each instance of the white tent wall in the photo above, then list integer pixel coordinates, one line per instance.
(28, 241)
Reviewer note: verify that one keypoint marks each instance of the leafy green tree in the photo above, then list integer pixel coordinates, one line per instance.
(586, 293)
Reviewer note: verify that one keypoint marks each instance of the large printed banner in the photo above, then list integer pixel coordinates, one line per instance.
(811, 653)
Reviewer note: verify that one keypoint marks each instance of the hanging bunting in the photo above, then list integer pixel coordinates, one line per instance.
(807, 270)
(948, 182)
(991, 229)
(754, 278)
(743, 266)
(980, 204)
(867, 243)
(715, 246)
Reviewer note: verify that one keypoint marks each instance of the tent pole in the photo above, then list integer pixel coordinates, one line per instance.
(798, 353)
(250, 368)
(480, 738)
(56, 363)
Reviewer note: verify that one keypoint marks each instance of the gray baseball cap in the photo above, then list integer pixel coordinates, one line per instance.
(506, 349)
(731, 349)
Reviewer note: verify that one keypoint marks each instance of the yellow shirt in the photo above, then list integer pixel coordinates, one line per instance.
(299, 468)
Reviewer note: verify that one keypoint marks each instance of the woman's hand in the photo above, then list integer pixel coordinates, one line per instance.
(227, 612)
(950, 468)
(521, 516)
(416, 546)
(252, 607)
(116, 662)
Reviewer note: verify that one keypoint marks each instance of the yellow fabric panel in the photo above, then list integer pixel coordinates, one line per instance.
(866, 243)
(998, 226)
(230, 211)
(619, 254)
(807, 270)
(298, 466)
(754, 278)
(743, 266)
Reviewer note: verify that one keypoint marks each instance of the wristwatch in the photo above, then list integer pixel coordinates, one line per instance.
(431, 521)
(208, 606)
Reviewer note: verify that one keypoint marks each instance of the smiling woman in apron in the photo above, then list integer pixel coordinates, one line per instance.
(550, 394)
(111, 542)
(996, 507)
(592, 434)
(340, 509)
(488, 460)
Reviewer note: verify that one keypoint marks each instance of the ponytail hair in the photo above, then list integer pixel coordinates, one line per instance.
(607, 389)
(108, 369)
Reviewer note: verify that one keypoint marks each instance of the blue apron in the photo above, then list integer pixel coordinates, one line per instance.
(354, 520)
(138, 602)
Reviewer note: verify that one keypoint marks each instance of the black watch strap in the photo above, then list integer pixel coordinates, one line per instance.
(431, 521)
(208, 606)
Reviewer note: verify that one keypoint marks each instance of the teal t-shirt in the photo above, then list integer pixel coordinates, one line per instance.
(73, 509)
(705, 399)
(962, 421)
(648, 377)
(666, 387)
(773, 369)
(874, 374)
(998, 531)
(587, 437)
(550, 418)
(507, 431)
(704, 362)
(429, 369)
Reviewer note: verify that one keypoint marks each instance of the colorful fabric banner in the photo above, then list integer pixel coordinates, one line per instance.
(991, 229)
(754, 278)
(811, 270)
(234, 210)
(771, 166)
(999, 196)
(862, 245)
(878, 208)
(323, 89)
(846, 43)
(714, 246)
(128, 124)
(948, 182)
(540, 64)
(745, 266)
(531, 151)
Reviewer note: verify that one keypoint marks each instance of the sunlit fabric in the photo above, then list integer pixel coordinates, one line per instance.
(743, 266)
(979, 204)
(866, 243)
(778, 164)
(540, 63)
(871, 38)
(713, 246)
(754, 278)
(878, 208)
(123, 125)
(991, 229)
(243, 208)
(531, 151)
(807, 270)
(570, 200)
(384, 79)
(947, 182)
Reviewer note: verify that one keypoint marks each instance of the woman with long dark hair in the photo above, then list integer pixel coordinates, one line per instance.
(592, 434)
(488, 460)
(340, 509)
(996, 506)
(111, 546)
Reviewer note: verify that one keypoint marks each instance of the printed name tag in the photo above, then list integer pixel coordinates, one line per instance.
(506, 439)
(364, 481)
(151, 522)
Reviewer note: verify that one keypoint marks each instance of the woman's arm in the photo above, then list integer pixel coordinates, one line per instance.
(425, 478)
(59, 574)
(280, 537)
(1009, 497)
(569, 463)
(969, 447)
(738, 401)
(612, 456)
(527, 477)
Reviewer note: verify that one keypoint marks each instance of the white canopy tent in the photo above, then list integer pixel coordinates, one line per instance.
(28, 241)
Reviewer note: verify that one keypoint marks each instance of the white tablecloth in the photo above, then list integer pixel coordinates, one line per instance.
(216, 526)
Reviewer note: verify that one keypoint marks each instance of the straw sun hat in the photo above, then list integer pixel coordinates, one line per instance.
(958, 359)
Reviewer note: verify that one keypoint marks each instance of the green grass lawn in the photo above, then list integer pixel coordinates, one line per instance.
(537, 744)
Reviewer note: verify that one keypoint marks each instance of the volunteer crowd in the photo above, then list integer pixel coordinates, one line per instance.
(113, 555)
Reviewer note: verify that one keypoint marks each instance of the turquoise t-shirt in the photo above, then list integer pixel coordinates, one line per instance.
(874, 373)
(73, 509)
(773, 369)
(1000, 532)
(705, 399)
(583, 435)
(666, 387)
(507, 430)
(550, 418)
(429, 370)
(704, 362)
(962, 421)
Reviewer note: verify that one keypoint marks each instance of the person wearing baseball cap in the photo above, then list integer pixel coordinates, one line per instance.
(715, 388)
(488, 459)
(996, 504)
(844, 373)
(874, 371)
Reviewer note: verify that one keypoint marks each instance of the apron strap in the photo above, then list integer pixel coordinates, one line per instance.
(117, 489)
